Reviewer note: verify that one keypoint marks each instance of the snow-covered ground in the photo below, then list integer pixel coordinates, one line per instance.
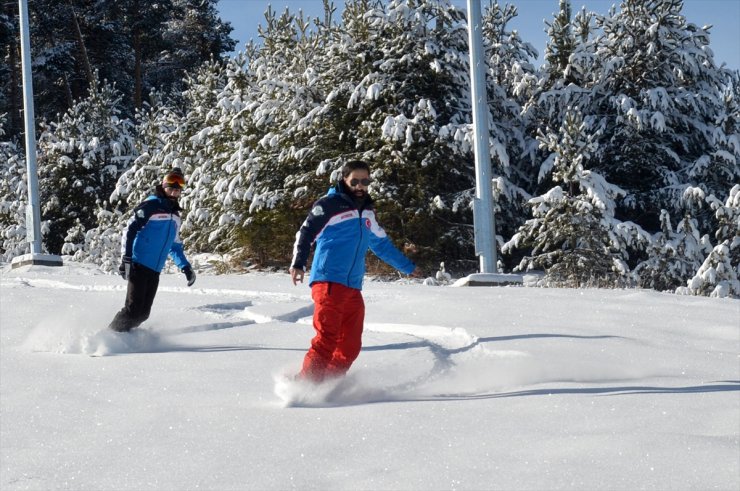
(456, 388)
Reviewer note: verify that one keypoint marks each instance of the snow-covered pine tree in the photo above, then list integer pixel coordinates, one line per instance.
(656, 96)
(716, 277)
(388, 87)
(563, 83)
(561, 86)
(405, 99)
(719, 274)
(720, 165)
(560, 45)
(101, 245)
(728, 220)
(155, 122)
(263, 189)
(673, 256)
(582, 27)
(195, 34)
(81, 157)
(13, 199)
(279, 149)
(573, 234)
(230, 142)
(199, 145)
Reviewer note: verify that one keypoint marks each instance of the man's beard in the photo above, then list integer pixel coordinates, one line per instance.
(359, 195)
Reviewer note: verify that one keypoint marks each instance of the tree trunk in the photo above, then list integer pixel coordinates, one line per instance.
(138, 85)
(14, 122)
(68, 91)
(136, 42)
(83, 50)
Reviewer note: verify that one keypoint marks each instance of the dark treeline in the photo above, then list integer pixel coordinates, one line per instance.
(138, 45)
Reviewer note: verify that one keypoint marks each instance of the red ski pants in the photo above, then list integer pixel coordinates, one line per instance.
(338, 316)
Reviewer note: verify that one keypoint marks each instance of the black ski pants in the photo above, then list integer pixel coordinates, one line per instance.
(142, 287)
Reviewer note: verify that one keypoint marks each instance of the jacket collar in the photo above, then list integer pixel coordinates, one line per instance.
(341, 189)
(159, 193)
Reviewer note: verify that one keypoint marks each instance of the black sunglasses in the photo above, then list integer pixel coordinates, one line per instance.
(365, 182)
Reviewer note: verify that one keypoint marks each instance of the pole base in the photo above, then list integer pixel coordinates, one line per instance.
(36, 260)
(490, 279)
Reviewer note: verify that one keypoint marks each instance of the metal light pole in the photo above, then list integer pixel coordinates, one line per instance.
(33, 213)
(483, 217)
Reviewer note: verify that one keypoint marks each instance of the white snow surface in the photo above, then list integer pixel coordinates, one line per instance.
(456, 388)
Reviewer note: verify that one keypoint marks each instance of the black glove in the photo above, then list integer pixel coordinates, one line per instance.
(125, 268)
(189, 274)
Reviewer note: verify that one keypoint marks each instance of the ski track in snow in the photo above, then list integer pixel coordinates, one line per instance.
(62, 285)
(460, 364)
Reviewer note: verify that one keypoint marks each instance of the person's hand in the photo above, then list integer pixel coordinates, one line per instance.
(296, 274)
(416, 273)
(189, 274)
(125, 268)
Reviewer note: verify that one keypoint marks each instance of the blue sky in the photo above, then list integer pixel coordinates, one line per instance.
(724, 15)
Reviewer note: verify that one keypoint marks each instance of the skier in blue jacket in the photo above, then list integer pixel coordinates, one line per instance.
(343, 226)
(152, 234)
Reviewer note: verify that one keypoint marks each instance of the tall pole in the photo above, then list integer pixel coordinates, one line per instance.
(33, 211)
(483, 217)
(33, 214)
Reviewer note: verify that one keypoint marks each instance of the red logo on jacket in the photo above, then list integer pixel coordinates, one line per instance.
(367, 223)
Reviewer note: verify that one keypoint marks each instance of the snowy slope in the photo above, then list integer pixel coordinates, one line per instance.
(456, 388)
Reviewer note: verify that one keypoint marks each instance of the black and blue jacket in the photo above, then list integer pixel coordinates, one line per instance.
(343, 233)
(153, 233)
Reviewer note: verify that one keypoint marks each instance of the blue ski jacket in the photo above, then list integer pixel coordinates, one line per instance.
(342, 233)
(153, 233)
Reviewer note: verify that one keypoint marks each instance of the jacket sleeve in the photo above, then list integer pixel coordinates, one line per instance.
(135, 223)
(306, 235)
(382, 247)
(177, 253)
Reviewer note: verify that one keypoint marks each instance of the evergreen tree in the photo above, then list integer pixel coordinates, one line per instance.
(656, 96)
(201, 145)
(727, 215)
(13, 200)
(271, 166)
(716, 277)
(62, 78)
(404, 94)
(573, 234)
(388, 87)
(102, 245)
(719, 274)
(285, 94)
(673, 256)
(560, 45)
(10, 82)
(720, 165)
(148, 65)
(562, 86)
(191, 35)
(81, 157)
